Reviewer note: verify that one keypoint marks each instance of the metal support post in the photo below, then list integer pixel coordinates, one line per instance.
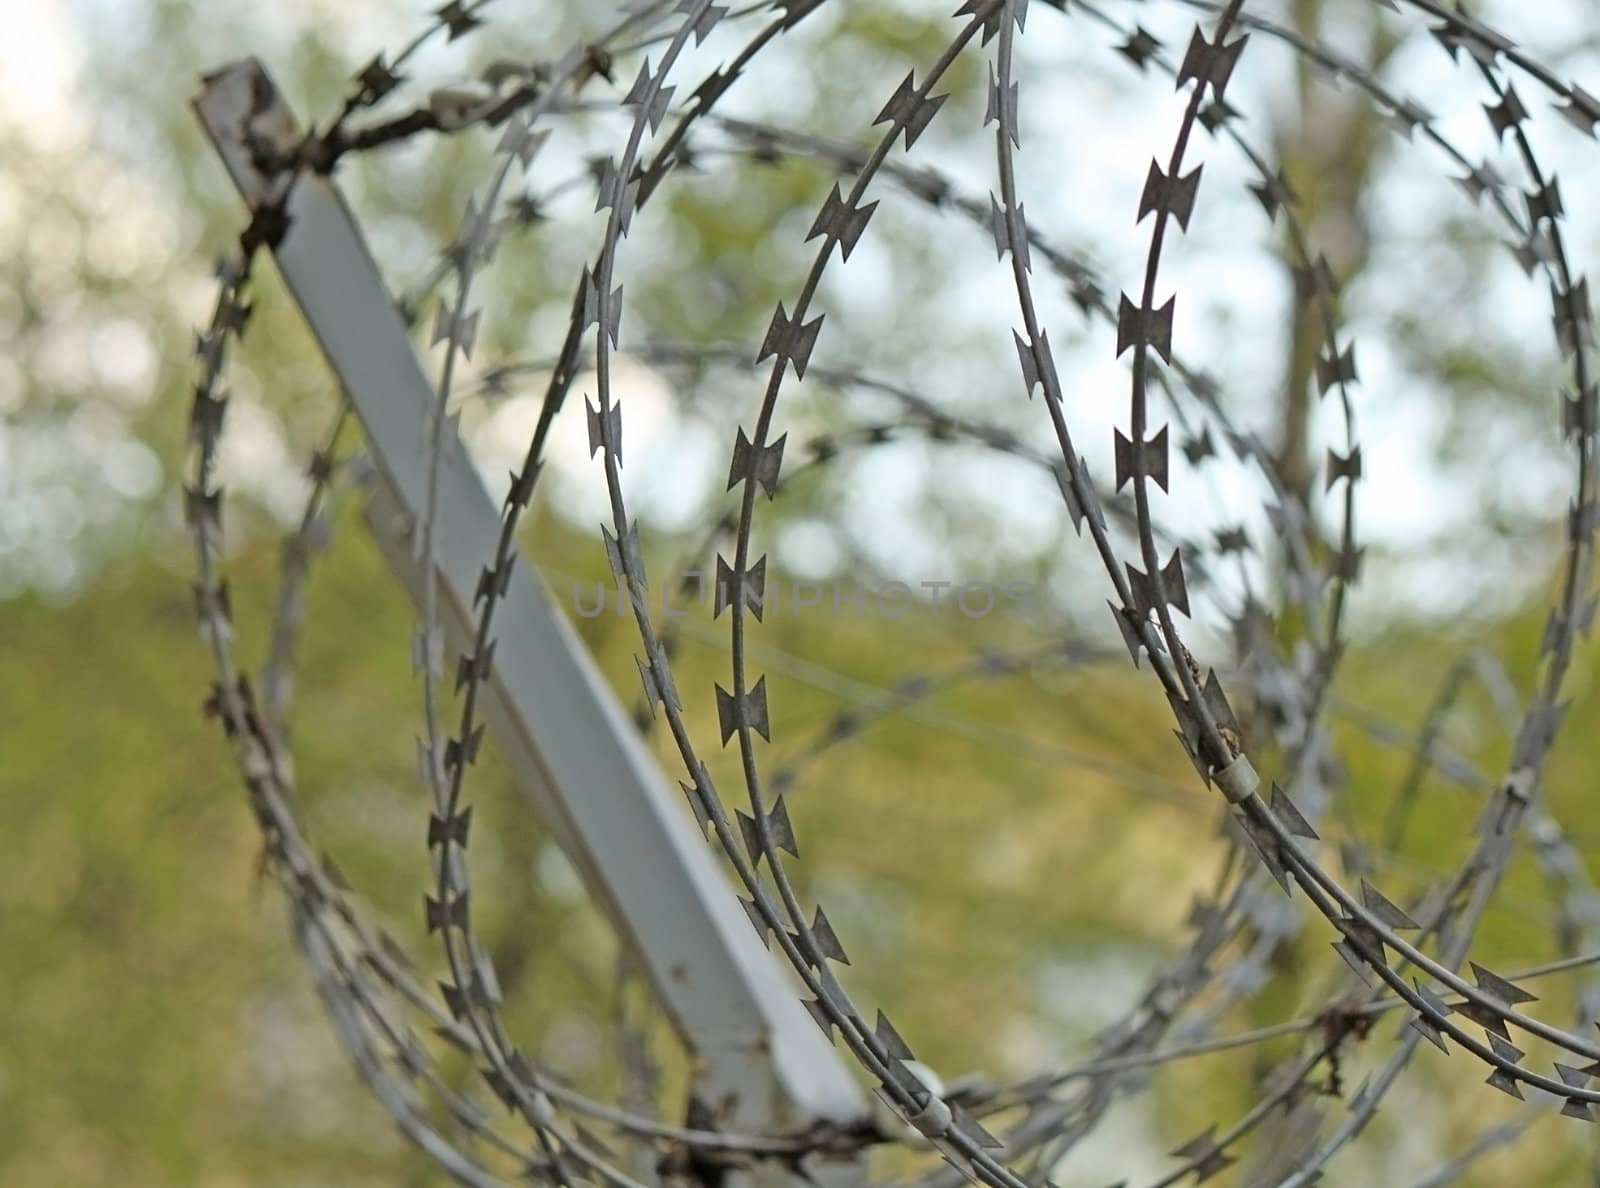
(568, 740)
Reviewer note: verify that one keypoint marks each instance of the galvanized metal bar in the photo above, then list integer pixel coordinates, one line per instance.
(575, 753)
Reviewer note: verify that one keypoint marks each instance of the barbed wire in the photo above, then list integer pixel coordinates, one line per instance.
(1403, 959)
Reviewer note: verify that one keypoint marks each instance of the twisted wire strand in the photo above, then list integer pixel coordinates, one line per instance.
(1298, 694)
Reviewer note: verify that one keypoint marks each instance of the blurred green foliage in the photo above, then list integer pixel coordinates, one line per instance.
(160, 1029)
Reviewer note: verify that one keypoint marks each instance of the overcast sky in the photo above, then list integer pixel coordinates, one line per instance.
(1231, 301)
